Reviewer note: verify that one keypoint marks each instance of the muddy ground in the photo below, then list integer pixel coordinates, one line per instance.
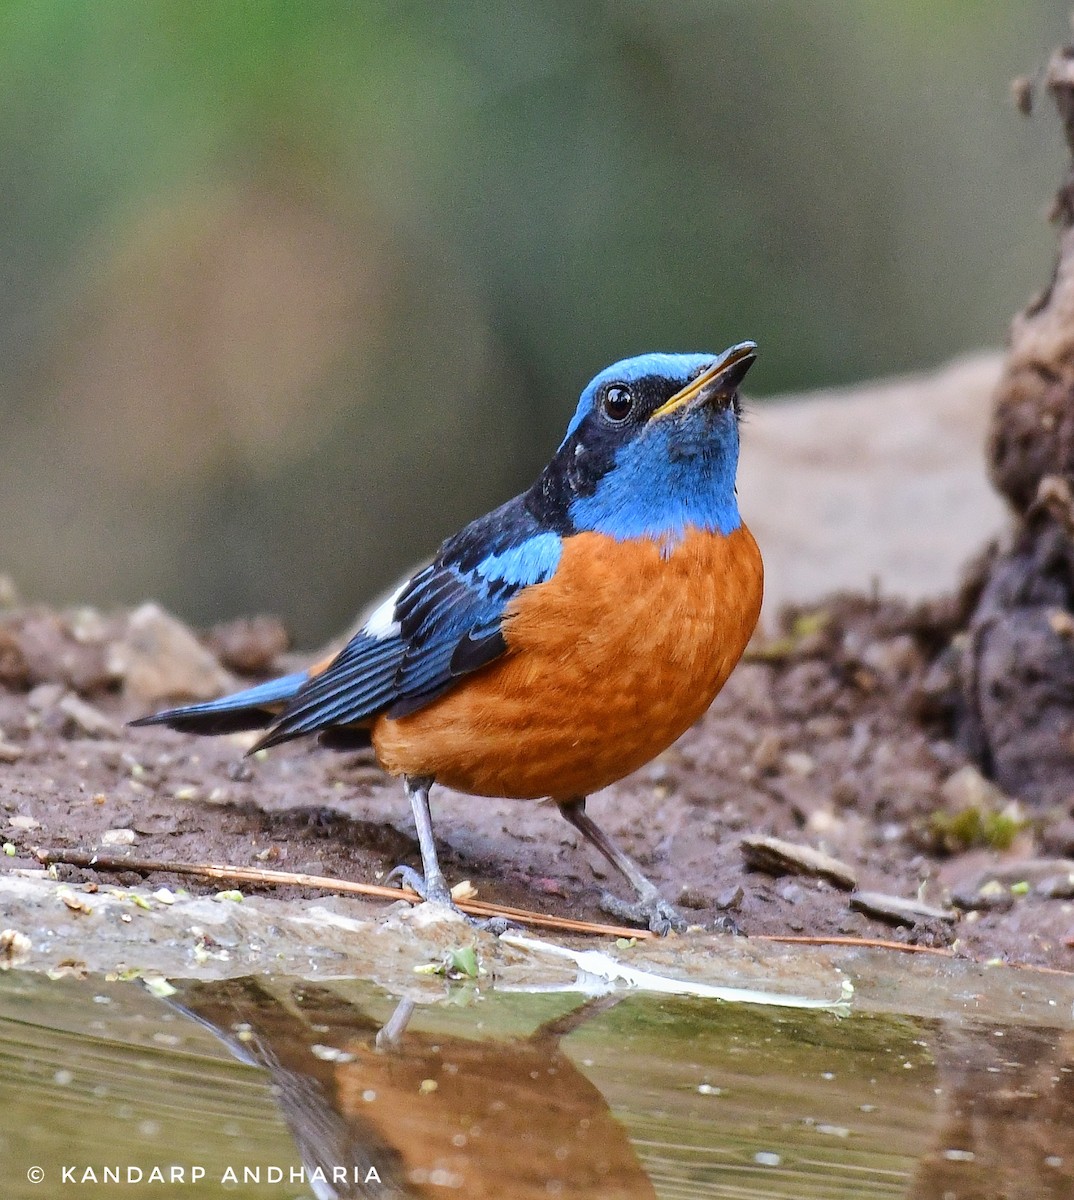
(831, 735)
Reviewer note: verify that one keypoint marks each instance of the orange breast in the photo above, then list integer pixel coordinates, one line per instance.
(607, 664)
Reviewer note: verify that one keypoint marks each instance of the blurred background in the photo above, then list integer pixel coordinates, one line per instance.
(290, 291)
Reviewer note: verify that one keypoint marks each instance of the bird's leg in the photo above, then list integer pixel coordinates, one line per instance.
(431, 885)
(650, 908)
(392, 1030)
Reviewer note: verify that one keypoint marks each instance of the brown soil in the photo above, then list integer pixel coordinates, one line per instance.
(821, 737)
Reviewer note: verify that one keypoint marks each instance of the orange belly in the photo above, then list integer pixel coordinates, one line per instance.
(607, 664)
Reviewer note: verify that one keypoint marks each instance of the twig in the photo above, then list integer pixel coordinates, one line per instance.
(882, 944)
(874, 943)
(257, 875)
(1021, 966)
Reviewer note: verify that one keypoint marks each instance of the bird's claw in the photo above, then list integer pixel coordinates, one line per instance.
(412, 879)
(650, 909)
(435, 891)
(497, 925)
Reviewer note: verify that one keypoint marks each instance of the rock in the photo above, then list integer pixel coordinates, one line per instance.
(86, 718)
(159, 659)
(45, 697)
(691, 897)
(893, 657)
(767, 752)
(117, 837)
(797, 762)
(1061, 622)
(824, 727)
(991, 896)
(999, 886)
(38, 646)
(14, 669)
(1026, 870)
(249, 645)
(1056, 887)
(1021, 674)
(1057, 837)
(774, 856)
(89, 626)
(968, 788)
(898, 911)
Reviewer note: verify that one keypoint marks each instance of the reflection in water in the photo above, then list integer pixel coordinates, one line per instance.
(723, 1102)
(432, 1114)
(1005, 1122)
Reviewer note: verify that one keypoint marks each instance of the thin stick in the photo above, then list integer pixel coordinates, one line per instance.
(477, 908)
(874, 943)
(882, 944)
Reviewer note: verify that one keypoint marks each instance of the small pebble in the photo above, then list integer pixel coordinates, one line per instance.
(766, 754)
(117, 837)
(800, 764)
(899, 911)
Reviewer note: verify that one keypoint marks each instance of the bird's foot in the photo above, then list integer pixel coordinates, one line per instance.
(649, 909)
(434, 891)
(414, 880)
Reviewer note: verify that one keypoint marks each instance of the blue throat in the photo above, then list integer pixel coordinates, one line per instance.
(672, 478)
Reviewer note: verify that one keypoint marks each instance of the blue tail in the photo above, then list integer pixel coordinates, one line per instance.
(252, 709)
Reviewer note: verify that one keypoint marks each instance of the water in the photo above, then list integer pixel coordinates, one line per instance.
(258, 1087)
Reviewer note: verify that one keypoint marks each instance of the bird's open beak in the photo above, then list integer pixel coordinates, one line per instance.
(719, 382)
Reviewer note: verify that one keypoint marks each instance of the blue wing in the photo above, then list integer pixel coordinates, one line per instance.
(444, 623)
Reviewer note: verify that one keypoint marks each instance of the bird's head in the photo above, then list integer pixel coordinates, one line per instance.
(651, 449)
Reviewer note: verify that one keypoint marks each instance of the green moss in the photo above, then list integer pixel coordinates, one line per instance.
(975, 827)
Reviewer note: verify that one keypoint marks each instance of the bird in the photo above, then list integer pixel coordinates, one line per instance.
(564, 639)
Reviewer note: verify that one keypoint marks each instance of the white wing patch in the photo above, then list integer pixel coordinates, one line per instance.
(382, 623)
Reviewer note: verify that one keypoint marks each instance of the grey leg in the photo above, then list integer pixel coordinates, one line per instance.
(650, 908)
(433, 886)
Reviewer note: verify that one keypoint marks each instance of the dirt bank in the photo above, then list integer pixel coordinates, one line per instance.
(822, 738)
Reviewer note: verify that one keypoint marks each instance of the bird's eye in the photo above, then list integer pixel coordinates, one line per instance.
(617, 402)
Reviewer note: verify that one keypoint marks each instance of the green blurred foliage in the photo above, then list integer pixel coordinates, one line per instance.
(291, 290)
